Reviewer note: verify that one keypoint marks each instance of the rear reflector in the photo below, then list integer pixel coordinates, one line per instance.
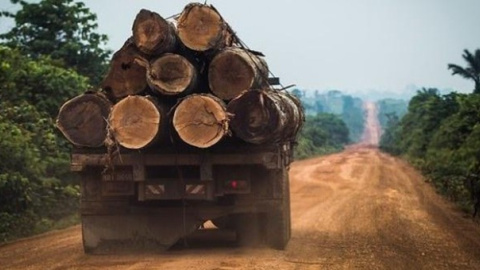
(154, 191)
(237, 186)
(195, 189)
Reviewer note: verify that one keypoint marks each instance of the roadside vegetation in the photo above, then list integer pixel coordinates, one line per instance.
(333, 120)
(44, 60)
(321, 134)
(440, 135)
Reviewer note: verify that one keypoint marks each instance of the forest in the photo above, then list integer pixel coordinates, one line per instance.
(333, 120)
(348, 108)
(440, 135)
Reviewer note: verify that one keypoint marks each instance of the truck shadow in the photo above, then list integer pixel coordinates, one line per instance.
(208, 238)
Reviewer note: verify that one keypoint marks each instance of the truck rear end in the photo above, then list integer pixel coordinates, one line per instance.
(157, 196)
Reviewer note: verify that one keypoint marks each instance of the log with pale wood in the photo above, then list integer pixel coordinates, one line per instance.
(83, 119)
(171, 74)
(137, 121)
(265, 116)
(234, 70)
(125, 76)
(152, 34)
(201, 120)
(200, 28)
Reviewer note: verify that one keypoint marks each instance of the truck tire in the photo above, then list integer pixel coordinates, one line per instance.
(278, 221)
(248, 229)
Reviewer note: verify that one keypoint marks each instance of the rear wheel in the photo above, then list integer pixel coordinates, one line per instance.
(278, 221)
(249, 229)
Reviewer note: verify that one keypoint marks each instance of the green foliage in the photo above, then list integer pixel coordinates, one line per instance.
(36, 187)
(390, 134)
(389, 107)
(321, 134)
(441, 136)
(34, 181)
(354, 117)
(38, 82)
(63, 30)
(348, 108)
(39, 61)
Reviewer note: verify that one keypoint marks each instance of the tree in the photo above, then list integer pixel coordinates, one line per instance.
(440, 134)
(36, 187)
(388, 141)
(38, 82)
(61, 29)
(321, 134)
(472, 71)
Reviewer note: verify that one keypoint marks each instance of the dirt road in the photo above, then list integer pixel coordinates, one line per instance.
(359, 209)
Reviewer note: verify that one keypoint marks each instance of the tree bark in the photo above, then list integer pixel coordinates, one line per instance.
(152, 34)
(234, 70)
(171, 74)
(125, 76)
(201, 28)
(82, 120)
(265, 116)
(137, 121)
(201, 120)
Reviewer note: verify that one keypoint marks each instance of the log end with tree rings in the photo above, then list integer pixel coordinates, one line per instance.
(171, 74)
(125, 76)
(201, 120)
(82, 120)
(264, 116)
(152, 34)
(253, 118)
(234, 70)
(135, 122)
(201, 28)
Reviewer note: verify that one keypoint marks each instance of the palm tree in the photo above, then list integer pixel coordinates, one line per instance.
(472, 71)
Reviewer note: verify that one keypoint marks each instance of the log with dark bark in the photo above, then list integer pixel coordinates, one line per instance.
(234, 70)
(201, 28)
(171, 74)
(201, 120)
(265, 116)
(82, 120)
(137, 121)
(125, 76)
(152, 34)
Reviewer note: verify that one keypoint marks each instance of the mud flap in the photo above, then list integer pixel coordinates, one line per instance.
(114, 234)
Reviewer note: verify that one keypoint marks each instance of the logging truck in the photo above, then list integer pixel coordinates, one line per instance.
(187, 127)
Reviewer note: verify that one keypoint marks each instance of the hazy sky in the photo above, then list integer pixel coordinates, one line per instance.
(350, 45)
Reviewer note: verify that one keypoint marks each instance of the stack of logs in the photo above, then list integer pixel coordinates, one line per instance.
(180, 76)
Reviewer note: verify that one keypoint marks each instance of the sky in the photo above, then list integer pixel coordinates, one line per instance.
(357, 46)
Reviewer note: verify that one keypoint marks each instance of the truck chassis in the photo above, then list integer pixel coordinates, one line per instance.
(136, 199)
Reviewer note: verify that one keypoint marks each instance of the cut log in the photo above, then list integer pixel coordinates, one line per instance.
(234, 70)
(137, 121)
(200, 28)
(152, 34)
(171, 74)
(265, 116)
(82, 120)
(201, 120)
(125, 76)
